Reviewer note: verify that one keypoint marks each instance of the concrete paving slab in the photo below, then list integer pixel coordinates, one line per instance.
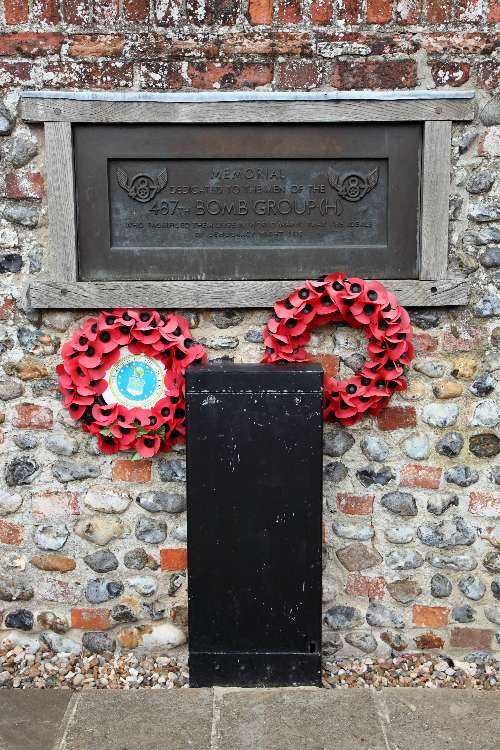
(239, 719)
(30, 719)
(140, 720)
(441, 719)
(297, 719)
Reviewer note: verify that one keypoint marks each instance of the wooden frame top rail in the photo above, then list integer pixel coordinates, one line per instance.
(261, 106)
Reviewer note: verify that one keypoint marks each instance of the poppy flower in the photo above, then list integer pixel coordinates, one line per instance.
(76, 409)
(125, 433)
(148, 336)
(147, 319)
(121, 335)
(138, 347)
(147, 445)
(104, 414)
(108, 444)
(92, 356)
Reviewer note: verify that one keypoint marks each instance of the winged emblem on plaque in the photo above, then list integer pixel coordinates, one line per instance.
(353, 186)
(141, 187)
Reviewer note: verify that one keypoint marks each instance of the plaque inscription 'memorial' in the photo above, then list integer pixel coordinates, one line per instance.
(242, 204)
(227, 202)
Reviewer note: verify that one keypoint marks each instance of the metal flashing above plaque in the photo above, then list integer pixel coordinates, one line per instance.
(202, 202)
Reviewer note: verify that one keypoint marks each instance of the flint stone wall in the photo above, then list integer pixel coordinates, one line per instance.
(94, 546)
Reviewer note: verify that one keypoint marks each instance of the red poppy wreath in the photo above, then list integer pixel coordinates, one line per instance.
(122, 378)
(361, 304)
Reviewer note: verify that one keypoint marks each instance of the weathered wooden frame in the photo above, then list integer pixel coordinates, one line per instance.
(60, 287)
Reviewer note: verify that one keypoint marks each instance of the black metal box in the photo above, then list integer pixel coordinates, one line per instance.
(254, 488)
(245, 201)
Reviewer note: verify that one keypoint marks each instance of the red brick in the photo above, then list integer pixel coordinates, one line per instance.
(424, 342)
(450, 73)
(46, 11)
(429, 640)
(105, 12)
(260, 12)
(476, 638)
(16, 11)
(76, 11)
(378, 11)
(22, 185)
(268, 43)
(95, 75)
(488, 146)
(457, 44)
(173, 558)
(469, 11)
(376, 44)
(169, 13)
(126, 470)
(159, 47)
(289, 11)
(462, 341)
(95, 45)
(14, 74)
(494, 11)
(371, 74)
(32, 416)
(8, 308)
(62, 592)
(199, 12)
(179, 614)
(90, 618)
(358, 585)
(226, 12)
(484, 504)
(163, 76)
(426, 477)
(438, 11)
(321, 12)
(349, 11)
(397, 417)
(329, 362)
(136, 10)
(408, 12)
(296, 75)
(355, 505)
(430, 617)
(488, 75)
(229, 75)
(30, 44)
(54, 503)
(10, 533)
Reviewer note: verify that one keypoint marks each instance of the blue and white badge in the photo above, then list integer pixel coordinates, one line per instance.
(135, 380)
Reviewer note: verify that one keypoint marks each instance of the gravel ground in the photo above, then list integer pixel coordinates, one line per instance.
(481, 672)
(19, 668)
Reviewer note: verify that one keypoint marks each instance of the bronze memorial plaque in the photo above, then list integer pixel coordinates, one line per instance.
(247, 202)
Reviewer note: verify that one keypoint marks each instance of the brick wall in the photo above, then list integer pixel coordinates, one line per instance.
(411, 523)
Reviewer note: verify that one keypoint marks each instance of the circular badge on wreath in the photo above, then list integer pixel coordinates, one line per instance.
(122, 377)
(367, 305)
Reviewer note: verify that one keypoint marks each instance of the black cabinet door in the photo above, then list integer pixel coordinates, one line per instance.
(254, 523)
